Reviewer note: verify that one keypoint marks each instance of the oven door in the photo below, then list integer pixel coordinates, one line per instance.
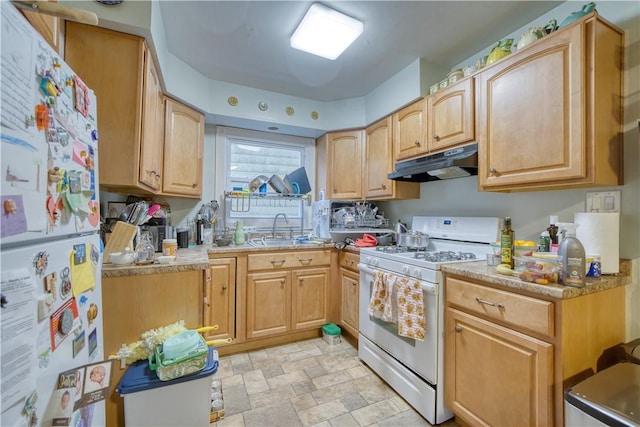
(419, 356)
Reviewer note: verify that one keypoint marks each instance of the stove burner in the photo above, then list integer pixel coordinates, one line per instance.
(444, 256)
(393, 249)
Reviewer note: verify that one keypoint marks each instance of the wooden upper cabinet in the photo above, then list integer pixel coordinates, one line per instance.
(379, 163)
(48, 26)
(450, 116)
(183, 150)
(409, 131)
(344, 163)
(113, 64)
(151, 143)
(549, 116)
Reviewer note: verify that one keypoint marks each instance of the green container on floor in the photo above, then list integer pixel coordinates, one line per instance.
(331, 333)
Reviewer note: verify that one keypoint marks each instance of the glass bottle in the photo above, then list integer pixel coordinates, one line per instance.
(145, 252)
(507, 237)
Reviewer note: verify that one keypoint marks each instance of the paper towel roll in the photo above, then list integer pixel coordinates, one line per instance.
(599, 233)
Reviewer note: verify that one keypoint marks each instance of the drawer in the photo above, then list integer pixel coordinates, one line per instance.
(349, 260)
(514, 309)
(295, 259)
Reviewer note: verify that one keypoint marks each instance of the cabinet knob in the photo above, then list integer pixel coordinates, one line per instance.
(436, 137)
(458, 328)
(417, 143)
(493, 171)
(282, 281)
(384, 186)
(300, 280)
(194, 185)
(224, 287)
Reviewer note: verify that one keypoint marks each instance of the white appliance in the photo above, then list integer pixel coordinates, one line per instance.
(50, 248)
(340, 220)
(414, 368)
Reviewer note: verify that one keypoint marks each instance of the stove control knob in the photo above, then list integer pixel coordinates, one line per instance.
(367, 260)
(375, 262)
(417, 274)
(405, 270)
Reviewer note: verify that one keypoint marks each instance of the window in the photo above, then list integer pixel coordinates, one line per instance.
(249, 154)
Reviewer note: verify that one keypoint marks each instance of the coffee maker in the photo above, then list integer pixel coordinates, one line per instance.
(160, 230)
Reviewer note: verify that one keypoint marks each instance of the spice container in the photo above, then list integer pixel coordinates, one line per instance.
(169, 247)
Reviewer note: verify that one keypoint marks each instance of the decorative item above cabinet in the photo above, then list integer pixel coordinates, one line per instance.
(550, 116)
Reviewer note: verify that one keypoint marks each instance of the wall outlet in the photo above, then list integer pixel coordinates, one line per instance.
(605, 201)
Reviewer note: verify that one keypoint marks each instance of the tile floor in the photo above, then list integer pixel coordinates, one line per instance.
(309, 383)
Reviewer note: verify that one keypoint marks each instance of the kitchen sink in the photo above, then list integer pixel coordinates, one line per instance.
(266, 242)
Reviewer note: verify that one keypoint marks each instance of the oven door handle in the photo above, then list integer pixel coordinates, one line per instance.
(428, 287)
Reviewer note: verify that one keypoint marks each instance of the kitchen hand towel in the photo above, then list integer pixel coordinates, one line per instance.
(599, 233)
(410, 302)
(380, 305)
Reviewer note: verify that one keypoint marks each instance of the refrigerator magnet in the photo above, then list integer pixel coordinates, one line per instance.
(78, 343)
(40, 262)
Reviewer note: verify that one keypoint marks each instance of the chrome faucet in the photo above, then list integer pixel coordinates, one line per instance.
(275, 219)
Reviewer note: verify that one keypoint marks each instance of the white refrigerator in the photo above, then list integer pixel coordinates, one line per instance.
(51, 351)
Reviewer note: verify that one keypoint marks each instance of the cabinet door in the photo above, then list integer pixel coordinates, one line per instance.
(183, 146)
(530, 114)
(450, 116)
(268, 303)
(152, 125)
(221, 298)
(345, 165)
(112, 64)
(350, 293)
(495, 376)
(409, 131)
(132, 305)
(309, 292)
(379, 159)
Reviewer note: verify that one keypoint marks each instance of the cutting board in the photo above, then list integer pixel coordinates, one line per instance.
(121, 237)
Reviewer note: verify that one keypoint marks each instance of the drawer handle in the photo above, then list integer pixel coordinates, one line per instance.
(305, 261)
(458, 328)
(492, 304)
(280, 262)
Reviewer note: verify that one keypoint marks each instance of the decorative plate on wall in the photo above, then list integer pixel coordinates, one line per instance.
(233, 101)
(110, 2)
(263, 106)
(290, 111)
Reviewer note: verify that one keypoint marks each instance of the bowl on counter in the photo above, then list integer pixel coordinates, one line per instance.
(223, 241)
(122, 258)
(166, 259)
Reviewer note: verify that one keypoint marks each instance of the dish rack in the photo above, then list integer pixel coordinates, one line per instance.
(348, 218)
(241, 201)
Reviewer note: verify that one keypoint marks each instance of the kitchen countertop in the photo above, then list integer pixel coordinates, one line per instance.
(197, 258)
(481, 271)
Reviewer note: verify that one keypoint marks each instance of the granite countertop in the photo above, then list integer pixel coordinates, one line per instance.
(481, 271)
(197, 258)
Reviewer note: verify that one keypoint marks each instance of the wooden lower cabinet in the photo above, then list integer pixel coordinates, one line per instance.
(350, 291)
(284, 301)
(132, 305)
(220, 299)
(499, 377)
(268, 303)
(509, 356)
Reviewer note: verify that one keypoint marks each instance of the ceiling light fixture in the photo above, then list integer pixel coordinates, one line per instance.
(325, 32)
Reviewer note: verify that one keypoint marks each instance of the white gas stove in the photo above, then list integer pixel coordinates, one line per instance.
(414, 368)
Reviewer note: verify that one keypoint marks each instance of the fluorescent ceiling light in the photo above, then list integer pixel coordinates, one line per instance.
(325, 32)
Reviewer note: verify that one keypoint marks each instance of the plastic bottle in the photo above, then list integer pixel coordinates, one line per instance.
(321, 194)
(544, 245)
(507, 237)
(595, 269)
(571, 258)
(238, 237)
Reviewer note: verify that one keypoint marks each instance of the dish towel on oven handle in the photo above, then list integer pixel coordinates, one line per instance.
(380, 304)
(410, 302)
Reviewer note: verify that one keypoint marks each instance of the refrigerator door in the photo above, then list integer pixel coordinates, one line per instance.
(49, 140)
(51, 323)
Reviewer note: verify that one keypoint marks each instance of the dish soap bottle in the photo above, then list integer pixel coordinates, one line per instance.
(238, 236)
(507, 238)
(571, 258)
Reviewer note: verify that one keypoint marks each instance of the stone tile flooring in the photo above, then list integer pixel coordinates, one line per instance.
(309, 383)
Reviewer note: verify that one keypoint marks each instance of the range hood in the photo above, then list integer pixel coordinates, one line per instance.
(454, 163)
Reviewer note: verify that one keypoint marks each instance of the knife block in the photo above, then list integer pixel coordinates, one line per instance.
(121, 237)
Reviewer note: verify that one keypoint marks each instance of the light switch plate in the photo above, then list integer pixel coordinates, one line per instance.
(605, 201)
